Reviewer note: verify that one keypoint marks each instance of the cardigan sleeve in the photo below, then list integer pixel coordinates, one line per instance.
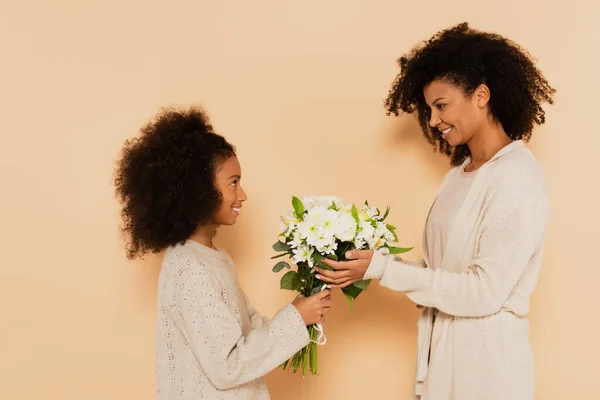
(229, 358)
(505, 249)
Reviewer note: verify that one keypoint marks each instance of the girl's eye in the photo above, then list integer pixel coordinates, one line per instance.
(441, 106)
(234, 183)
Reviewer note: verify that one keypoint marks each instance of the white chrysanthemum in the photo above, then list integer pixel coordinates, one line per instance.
(324, 244)
(359, 243)
(364, 234)
(296, 239)
(346, 227)
(330, 223)
(303, 254)
(313, 223)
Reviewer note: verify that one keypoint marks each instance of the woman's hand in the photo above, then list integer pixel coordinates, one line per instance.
(346, 272)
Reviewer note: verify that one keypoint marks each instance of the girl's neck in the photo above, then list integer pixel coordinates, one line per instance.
(204, 234)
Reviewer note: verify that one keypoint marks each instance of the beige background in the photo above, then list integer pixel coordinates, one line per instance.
(298, 87)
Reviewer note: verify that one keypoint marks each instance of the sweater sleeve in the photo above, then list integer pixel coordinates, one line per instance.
(228, 357)
(256, 319)
(504, 251)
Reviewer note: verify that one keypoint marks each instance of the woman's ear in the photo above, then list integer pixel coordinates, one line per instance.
(482, 95)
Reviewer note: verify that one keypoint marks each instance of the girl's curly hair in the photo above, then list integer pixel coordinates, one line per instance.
(165, 179)
(468, 58)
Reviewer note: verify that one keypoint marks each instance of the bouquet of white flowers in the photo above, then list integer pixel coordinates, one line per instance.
(325, 226)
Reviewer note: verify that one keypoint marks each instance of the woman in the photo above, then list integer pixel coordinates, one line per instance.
(477, 96)
(178, 182)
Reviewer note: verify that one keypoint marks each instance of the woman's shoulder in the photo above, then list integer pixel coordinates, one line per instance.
(517, 174)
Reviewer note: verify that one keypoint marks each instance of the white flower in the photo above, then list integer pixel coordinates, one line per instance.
(330, 223)
(359, 243)
(303, 253)
(364, 234)
(365, 230)
(324, 244)
(372, 242)
(296, 239)
(384, 250)
(320, 201)
(346, 227)
(287, 223)
(313, 222)
(369, 211)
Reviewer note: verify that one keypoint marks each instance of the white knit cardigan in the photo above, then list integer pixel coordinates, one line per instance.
(478, 348)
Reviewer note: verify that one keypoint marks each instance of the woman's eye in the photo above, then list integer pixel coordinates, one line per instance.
(441, 106)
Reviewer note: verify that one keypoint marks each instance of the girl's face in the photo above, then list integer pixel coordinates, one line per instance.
(456, 116)
(227, 181)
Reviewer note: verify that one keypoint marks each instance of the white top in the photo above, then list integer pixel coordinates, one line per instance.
(210, 342)
(489, 267)
(443, 213)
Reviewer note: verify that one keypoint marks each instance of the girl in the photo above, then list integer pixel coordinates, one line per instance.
(178, 182)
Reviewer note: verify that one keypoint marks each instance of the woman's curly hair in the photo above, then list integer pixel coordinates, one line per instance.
(165, 179)
(468, 58)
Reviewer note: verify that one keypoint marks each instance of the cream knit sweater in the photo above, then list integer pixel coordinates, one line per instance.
(211, 343)
(480, 292)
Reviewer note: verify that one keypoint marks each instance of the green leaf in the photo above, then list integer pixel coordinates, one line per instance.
(400, 250)
(279, 255)
(319, 261)
(350, 302)
(332, 257)
(290, 281)
(280, 246)
(362, 284)
(387, 212)
(355, 214)
(298, 206)
(316, 290)
(352, 290)
(281, 265)
(392, 229)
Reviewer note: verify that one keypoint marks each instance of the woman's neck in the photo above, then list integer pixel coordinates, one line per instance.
(486, 144)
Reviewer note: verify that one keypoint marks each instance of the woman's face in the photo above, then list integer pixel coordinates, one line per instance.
(456, 116)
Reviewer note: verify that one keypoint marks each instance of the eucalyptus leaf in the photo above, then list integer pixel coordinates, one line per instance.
(290, 281)
(280, 246)
(281, 265)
